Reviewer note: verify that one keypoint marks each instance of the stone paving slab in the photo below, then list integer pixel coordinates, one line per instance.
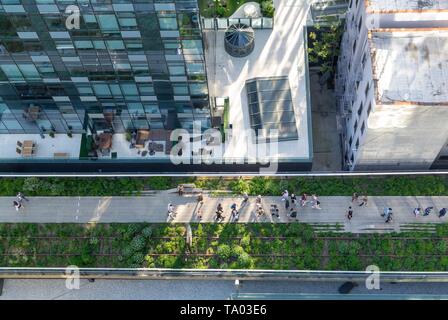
(153, 208)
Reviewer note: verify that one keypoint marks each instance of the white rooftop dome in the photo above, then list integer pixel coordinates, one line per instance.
(250, 10)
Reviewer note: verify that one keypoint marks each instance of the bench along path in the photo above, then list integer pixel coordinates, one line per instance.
(153, 208)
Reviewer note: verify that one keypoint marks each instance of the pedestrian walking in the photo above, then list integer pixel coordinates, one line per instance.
(245, 199)
(17, 205)
(428, 211)
(199, 204)
(275, 212)
(349, 213)
(442, 212)
(388, 215)
(285, 195)
(20, 197)
(219, 217)
(286, 204)
(386, 211)
(219, 208)
(259, 210)
(355, 197)
(200, 199)
(180, 190)
(235, 215)
(171, 212)
(363, 201)
(293, 200)
(417, 211)
(293, 213)
(316, 202)
(258, 199)
(233, 210)
(303, 199)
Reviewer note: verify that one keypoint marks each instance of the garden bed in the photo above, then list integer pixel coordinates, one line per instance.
(225, 8)
(261, 246)
(324, 186)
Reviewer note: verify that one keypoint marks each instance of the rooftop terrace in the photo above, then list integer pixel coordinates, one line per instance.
(279, 52)
(411, 66)
(394, 5)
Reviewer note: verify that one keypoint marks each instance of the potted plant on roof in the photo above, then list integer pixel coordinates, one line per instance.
(51, 133)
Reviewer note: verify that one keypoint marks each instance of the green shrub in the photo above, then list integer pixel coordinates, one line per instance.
(245, 261)
(240, 186)
(147, 232)
(245, 241)
(237, 251)
(220, 11)
(267, 8)
(127, 251)
(224, 252)
(138, 243)
(149, 261)
(132, 230)
(32, 184)
(138, 258)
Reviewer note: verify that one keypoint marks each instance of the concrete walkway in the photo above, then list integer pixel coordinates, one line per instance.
(153, 208)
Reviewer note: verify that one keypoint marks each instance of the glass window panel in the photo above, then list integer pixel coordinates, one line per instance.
(122, 66)
(99, 44)
(89, 18)
(195, 68)
(29, 71)
(135, 108)
(115, 88)
(4, 109)
(198, 88)
(84, 44)
(180, 89)
(45, 69)
(115, 44)
(11, 71)
(85, 90)
(12, 124)
(146, 89)
(134, 44)
(168, 23)
(176, 70)
(152, 108)
(128, 22)
(129, 89)
(101, 89)
(108, 22)
(192, 46)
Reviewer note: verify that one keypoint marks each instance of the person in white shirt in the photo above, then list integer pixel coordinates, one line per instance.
(417, 211)
(171, 212)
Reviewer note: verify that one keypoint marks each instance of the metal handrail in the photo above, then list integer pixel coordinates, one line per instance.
(218, 274)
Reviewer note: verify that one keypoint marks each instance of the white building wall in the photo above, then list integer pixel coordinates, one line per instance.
(403, 137)
(404, 148)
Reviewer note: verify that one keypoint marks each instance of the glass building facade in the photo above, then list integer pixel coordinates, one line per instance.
(131, 64)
